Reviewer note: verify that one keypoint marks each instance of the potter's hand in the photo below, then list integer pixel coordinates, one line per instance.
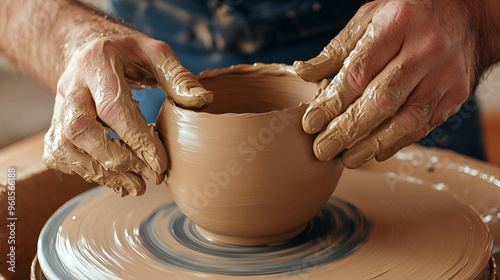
(402, 68)
(93, 94)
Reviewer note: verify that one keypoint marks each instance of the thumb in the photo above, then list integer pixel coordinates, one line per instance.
(180, 84)
(331, 59)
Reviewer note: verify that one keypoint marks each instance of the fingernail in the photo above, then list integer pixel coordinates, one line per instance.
(300, 65)
(320, 59)
(131, 190)
(357, 156)
(201, 92)
(135, 190)
(153, 162)
(149, 174)
(297, 64)
(160, 178)
(384, 156)
(327, 149)
(120, 190)
(198, 98)
(156, 178)
(311, 70)
(315, 120)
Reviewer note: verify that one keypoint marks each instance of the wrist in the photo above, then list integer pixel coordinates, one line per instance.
(491, 30)
(480, 35)
(82, 27)
(43, 34)
(487, 24)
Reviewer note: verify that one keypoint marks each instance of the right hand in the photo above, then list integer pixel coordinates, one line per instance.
(400, 68)
(93, 95)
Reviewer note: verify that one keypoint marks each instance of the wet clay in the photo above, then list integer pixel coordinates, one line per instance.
(38, 193)
(369, 229)
(243, 169)
(472, 180)
(358, 111)
(330, 60)
(345, 115)
(78, 140)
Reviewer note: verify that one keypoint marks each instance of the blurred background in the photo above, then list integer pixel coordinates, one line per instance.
(26, 108)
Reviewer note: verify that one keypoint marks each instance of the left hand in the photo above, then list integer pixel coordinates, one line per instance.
(403, 68)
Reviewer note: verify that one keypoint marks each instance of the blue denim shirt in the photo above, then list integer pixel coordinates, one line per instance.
(216, 33)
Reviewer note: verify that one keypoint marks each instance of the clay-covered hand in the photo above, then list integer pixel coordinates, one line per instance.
(400, 69)
(93, 96)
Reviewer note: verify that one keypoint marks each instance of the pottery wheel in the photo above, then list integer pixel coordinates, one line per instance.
(368, 230)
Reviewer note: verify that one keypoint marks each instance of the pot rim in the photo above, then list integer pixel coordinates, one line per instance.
(274, 69)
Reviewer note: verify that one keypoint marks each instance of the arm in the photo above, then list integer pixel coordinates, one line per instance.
(91, 62)
(401, 68)
(41, 35)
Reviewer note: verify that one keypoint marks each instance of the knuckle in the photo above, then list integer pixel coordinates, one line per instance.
(95, 51)
(75, 126)
(367, 8)
(386, 103)
(65, 85)
(438, 119)
(435, 44)
(458, 67)
(449, 109)
(414, 115)
(401, 13)
(69, 83)
(422, 132)
(462, 94)
(418, 112)
(335, 48)
(359, 76)
(459, 95)
(161, 47)
(108, 109)
(88, 55)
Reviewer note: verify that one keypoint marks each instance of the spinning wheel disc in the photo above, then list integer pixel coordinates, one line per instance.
(369, 229)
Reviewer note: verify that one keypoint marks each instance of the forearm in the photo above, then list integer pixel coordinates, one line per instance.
(40, 35)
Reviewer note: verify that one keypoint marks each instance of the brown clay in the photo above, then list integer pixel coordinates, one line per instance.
(78, 142)
(243, 169)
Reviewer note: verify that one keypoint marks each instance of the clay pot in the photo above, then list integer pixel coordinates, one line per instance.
(243, 169)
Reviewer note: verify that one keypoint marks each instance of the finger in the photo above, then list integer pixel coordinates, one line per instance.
(382, 98)
(322, 86)
(404, 142)
(401, 130)
(139, 77)
(182, 85)
(84, 131)
(61, 154)
(449, 105)
(431, 103)
(378, 46)
(116, 108)
(330, 60)
(178, 83)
